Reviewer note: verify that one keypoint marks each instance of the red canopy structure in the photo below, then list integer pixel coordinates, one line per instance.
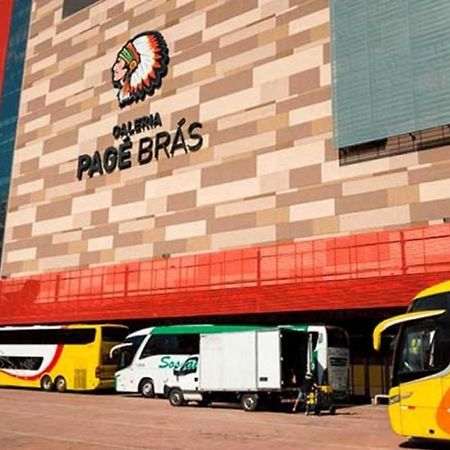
(372, 270)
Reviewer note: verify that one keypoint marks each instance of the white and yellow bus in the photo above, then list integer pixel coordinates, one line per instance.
(71, 357)
(419, 400)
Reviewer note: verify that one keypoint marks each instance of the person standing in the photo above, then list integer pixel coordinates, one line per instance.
(307, 386)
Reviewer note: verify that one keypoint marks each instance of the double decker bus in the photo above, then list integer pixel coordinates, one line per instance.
(419, 399)
(72, 357)
(147, 357)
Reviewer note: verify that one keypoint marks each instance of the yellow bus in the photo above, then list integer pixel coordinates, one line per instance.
(70, 357)
(419, 399)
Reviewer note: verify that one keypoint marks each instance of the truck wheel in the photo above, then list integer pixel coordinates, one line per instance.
(46, 383)
(60, 384)
(176, 397)
(249, 402)
(146, 388)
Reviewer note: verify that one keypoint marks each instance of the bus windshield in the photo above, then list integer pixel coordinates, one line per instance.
(423, 350)
(126, 354)
(438, 301)
(337, 337)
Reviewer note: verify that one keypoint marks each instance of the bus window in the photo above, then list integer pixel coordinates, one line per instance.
(114, 334)
(188, 344)
(75, 336)
(126, 354)
(125, 358)
(156, 345)
(20, 362)
(423, 350)
(171, 344)
(54, 336)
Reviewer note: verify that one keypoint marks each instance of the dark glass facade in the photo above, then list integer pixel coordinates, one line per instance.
(10, 98)
(391, 68)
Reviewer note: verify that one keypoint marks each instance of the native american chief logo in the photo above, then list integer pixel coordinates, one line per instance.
(140, 66)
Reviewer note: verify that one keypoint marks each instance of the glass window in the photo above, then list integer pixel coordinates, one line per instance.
(75, 336)
(72, 6)
(172, 344)
(438, 301)
(114, 334)
(125, 358)
(20, 362)
(188, 344)
(424, 350)
(126, 354)
(389, 66)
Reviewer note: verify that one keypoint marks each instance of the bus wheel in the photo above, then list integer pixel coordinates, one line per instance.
(46, 383)
(249, 402)
(176, 397)
(146, 388)
(61, 384)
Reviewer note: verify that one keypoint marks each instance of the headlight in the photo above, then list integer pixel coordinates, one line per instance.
(394, 399)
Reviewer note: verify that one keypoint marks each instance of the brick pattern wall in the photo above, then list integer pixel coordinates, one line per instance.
(257, 75)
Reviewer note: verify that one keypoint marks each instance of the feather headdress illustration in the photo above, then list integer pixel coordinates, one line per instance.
(140, 66)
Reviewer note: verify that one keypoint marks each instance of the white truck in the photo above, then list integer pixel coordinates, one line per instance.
(251, 367)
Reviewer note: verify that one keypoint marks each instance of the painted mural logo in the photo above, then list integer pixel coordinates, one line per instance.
(140, 66)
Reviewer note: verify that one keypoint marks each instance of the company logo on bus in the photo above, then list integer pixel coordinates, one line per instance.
(140, 66)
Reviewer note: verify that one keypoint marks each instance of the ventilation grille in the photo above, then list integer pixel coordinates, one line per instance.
(80, 379)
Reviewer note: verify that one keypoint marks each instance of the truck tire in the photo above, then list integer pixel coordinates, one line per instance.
(146, 388)
(176, 397)
(249, 402)
(46, 383)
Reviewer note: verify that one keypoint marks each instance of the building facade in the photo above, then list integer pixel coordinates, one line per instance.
(271, 159)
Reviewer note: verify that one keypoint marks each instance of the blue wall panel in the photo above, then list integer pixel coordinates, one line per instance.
(391, 67)
(10, 101)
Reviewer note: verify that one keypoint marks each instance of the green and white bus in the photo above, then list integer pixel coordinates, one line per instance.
(147, 358)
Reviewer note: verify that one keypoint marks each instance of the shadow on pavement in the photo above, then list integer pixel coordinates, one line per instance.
(425, 444)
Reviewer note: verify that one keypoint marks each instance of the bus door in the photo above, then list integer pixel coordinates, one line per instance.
(124, 354)
(422, 355)
(443, 413)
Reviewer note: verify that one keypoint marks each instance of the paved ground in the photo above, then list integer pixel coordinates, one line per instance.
(34, 420)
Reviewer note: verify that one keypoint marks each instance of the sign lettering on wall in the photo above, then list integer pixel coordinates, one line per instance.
(185, 139)
(140, 66)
